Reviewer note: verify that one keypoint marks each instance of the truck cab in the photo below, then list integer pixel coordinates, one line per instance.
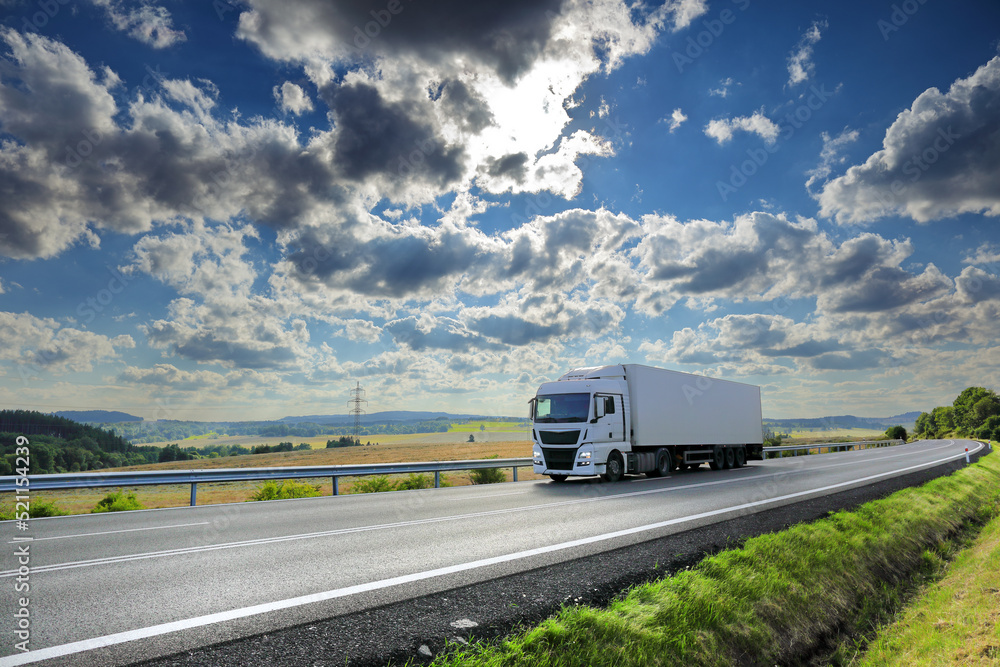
(577, 424)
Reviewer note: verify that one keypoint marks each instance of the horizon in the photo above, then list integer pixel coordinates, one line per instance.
(233, 211)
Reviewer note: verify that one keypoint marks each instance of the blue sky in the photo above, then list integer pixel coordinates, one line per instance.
(238, 210)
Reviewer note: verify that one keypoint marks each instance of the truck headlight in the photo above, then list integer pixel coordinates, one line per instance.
(584, 455)
(536, 454)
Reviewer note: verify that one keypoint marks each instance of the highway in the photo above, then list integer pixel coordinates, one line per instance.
(119, 588)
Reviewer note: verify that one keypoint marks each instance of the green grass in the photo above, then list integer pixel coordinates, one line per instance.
(777, 600)
(957, 619)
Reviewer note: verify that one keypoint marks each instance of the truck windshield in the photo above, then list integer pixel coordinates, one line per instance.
(557, 408)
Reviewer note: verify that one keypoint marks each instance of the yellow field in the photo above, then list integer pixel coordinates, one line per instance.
(408, 448)
(495, 431)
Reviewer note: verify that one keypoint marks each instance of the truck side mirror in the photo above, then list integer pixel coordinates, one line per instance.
(598, 409)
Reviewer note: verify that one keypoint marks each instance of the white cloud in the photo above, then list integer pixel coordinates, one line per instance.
(148, 23)
(800, 65)
(723, 89)
(939, 159)
(292, 98)
(830, 155)
(41, 345)
(757, 123)
(676, 119)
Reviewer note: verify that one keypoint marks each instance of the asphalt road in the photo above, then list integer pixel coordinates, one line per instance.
(126, 587)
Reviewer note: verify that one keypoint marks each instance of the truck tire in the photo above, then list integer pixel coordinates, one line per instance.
(614, 469)
(664, 464)
(718, 459)
(730, 458)
(741, 457)
(558, 478)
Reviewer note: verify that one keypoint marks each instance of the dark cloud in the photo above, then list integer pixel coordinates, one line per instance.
(466, 105)
(445, 334)
(513, 165)
(513, 330)
(505, 36)
(376, 137)
(396, 264)
(885, 288)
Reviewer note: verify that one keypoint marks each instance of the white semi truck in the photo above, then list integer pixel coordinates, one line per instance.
(629, 418)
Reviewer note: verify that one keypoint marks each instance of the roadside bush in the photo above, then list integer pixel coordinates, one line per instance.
(118, 501)
(37, 508)
(285, 489)
(416, 481)
(375, 484)
(488, 475)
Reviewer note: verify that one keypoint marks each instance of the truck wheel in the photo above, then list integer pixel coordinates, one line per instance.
(730, 458)
(614, 469)
(718, 459)
(663, 464)
(741, 457)
(558, 478)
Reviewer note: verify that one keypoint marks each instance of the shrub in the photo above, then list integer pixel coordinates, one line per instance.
(376, 484)
(488, 475)
(118, 501)
(285, 489)
(415, 481)
(36, 509)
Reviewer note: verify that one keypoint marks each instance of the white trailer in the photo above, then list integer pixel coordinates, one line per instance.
(631, 418)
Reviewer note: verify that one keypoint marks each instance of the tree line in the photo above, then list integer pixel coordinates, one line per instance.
(974, 413)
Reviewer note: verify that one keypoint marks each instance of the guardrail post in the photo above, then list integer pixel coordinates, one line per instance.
(437, 479)
(194, 493)
(336, 487)
(515, 473)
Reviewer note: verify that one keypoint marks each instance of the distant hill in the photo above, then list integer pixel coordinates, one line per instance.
(907, 420)
(98, 416)
(375, 417)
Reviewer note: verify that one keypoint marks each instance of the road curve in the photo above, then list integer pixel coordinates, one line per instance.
(116, 589)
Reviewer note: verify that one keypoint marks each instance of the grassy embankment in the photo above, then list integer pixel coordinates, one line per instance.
(391, 449)
(957, 619)
(779, 599)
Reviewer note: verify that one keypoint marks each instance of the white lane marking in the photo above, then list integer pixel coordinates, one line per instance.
(233, 614)
(413, 522)
(491, 495)
(112, 532)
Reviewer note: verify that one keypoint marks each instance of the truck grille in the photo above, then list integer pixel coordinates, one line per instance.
(559, 459)
(559, 437)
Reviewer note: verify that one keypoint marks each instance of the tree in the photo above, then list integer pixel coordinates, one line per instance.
(925, 424)
(472, 438)
(944, 419)
(896, 433)
(964, 414)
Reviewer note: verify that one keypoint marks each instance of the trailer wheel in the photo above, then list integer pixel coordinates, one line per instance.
(614, 468)
(664, 464)
(741, 457)
(559, 479)
(718, 459)
(730, 458)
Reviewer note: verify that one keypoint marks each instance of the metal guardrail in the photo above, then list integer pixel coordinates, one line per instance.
(860, 444)
(86, 480)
